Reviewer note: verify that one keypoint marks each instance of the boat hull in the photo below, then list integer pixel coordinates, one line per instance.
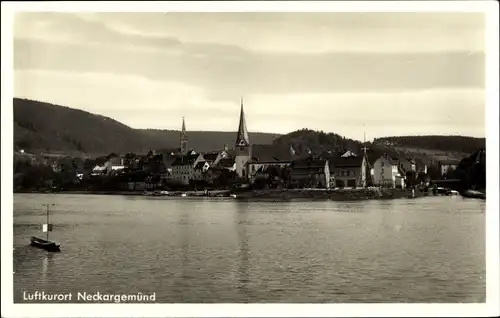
(45, 245)
(473, 194)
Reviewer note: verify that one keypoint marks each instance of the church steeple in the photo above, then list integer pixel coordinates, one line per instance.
(184, 138)
(242, 147)
(242, 139)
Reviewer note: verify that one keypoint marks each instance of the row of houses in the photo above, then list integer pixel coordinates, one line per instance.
(309, 171)
(250, 163)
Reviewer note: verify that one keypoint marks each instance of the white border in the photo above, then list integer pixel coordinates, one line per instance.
(490, 308)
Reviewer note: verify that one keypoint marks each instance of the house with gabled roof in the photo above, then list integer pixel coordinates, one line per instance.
(214, 157)
(226, 164)
(445, 165)
(200, 170)
(387, 172)
(348, 154)
(310, 172)
(183, 168)
(350, 171)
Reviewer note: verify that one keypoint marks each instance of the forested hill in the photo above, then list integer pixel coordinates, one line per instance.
(45, 127)
(426, 149)
(442, 143)
(318, 141)
(40, 126)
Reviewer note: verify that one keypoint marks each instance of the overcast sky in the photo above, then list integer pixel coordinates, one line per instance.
(393, 73)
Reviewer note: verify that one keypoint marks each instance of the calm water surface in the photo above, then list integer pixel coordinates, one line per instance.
(219, 250)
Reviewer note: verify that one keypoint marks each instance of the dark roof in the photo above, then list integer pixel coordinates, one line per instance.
(269, 153)
(226, 162)
(308, 163)
(271, 160)
(211, 156)
(410, 160)
(200, 165)
(346, 162)
(169, 159)
(185, 160)
(392, 160)
(449, 162)
(169, 150)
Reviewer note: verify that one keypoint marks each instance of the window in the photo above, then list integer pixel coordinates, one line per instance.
(381, 163)
(242, 148)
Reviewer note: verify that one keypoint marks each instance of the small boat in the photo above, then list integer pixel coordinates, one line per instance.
(442, 191)
(46, 244)
(473, 194)
(183, 195)
(233, 195)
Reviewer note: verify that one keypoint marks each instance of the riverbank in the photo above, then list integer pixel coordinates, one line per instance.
(333, 194)
(214, 193)
(274, 194)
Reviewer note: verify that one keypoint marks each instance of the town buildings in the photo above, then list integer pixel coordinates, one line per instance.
(386, 171)
(348, 171)
(310, 173)
(274, 165)
(446, 166)
(184, 168)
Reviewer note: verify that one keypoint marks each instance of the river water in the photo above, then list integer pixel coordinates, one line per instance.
(193, 250)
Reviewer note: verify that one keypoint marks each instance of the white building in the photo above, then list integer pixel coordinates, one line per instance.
(183, 168)
(387, 172)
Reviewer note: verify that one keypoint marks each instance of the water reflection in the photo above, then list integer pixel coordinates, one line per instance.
(47, 264)
(184, 222)
(243, 249)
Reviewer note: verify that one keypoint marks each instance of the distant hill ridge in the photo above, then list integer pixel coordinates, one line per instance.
(444, 143)
(40, 126)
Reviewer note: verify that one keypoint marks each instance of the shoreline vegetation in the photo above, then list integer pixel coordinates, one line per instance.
(360, 194)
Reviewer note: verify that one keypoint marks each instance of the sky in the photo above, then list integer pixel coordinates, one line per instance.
(386, 74)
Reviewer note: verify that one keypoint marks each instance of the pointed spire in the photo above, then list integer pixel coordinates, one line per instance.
(242, 136)
(183, 141)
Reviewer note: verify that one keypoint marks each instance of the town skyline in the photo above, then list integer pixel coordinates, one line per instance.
(419, 73)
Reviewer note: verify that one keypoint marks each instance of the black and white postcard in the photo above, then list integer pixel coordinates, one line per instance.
(307, 158)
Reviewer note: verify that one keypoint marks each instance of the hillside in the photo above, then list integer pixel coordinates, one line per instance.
(426, 149)
(40, 126)
(317, 141)
(201, 140)
(458, 144)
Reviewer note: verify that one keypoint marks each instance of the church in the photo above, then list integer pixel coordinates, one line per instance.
(242, 147)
